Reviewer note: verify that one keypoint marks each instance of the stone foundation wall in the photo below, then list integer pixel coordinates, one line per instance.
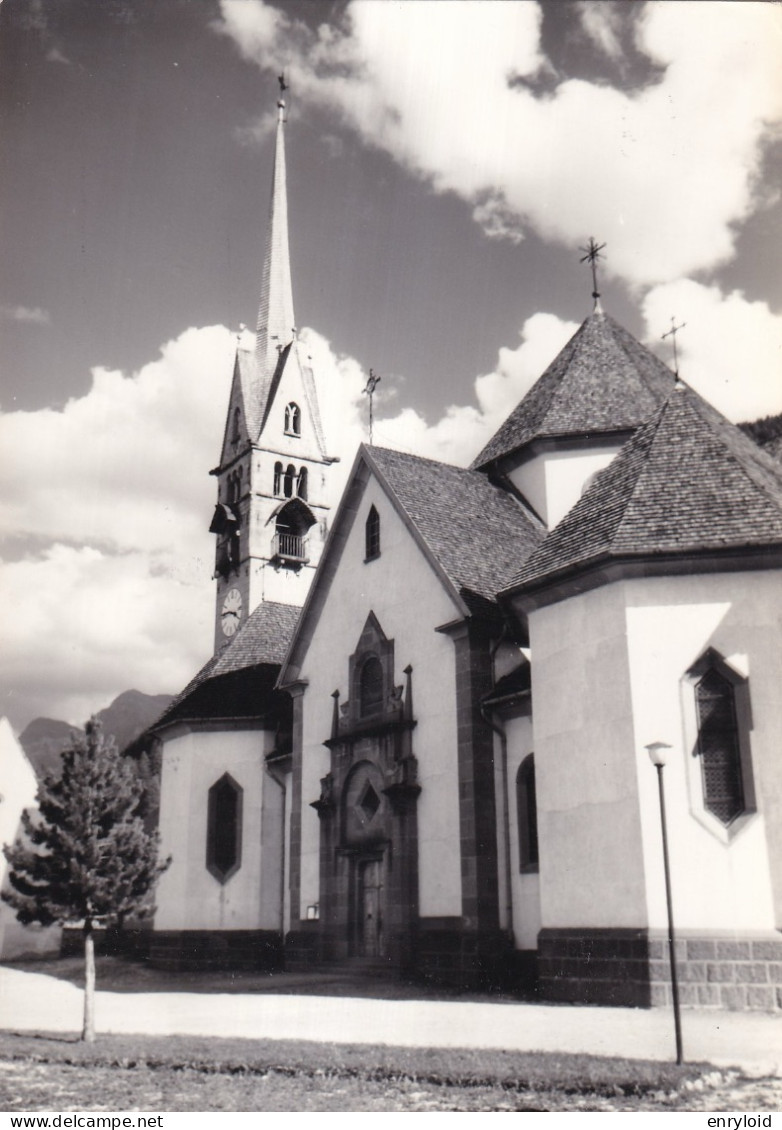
(192, 950)
(719, 973)
(631, 968)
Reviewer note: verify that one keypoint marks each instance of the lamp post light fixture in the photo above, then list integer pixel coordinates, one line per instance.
(657, 753)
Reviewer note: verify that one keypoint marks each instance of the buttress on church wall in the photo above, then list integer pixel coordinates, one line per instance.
(591, 858)
(409, 602)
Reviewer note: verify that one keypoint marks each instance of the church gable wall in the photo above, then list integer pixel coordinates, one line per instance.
(409, 602)
(723, 878)
(189, 897)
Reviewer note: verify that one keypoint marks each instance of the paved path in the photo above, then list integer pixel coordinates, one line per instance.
(36, 1002)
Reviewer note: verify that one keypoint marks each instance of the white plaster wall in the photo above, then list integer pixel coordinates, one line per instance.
(525, 888)
(18, 789)
(718, 884)
(188, 896)
(553, 481)
(592, 862)
(409, 602)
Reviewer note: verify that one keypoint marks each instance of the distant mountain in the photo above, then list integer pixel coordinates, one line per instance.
(43, 741)
(128, 716)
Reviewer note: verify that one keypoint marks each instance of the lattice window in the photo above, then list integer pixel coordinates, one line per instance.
(371, 687)
(372, 535)
(224, 828)
(718, 747)
(527, 815)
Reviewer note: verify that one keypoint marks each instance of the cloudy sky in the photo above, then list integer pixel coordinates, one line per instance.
(446, 162)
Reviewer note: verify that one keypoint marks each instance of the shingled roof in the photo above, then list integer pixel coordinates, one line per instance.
(603, 381)
(477, 532)
(687, 482)
(239, 680)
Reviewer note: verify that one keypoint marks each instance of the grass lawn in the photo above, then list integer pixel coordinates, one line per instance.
(40, 1072)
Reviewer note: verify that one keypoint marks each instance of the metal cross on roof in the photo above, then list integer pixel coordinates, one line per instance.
(592, 254)
(672, 332)
(372, 383)
(283, 88)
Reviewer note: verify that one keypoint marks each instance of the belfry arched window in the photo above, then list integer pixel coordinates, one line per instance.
(372, 535)
(301, 483)
(278, 478)
(371, 694)
(527, 815)
(224, 828)
(292, 419)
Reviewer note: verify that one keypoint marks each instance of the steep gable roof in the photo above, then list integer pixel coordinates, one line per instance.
(688, 481)
(242, 674)
(475, 530)
(603, 381)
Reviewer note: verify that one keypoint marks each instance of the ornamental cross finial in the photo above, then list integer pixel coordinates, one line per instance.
(672, 332)
(371, 385)
(591, 256)
(283, 88)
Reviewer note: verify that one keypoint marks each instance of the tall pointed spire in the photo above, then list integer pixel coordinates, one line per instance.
(275, 313)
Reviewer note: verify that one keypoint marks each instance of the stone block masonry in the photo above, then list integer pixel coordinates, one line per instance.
(631, 968)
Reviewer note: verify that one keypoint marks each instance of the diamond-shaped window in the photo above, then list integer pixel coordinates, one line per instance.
(369, 803)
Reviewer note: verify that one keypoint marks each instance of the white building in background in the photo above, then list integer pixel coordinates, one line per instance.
(18, 790)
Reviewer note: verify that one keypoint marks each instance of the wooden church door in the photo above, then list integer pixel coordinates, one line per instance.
(371, 908)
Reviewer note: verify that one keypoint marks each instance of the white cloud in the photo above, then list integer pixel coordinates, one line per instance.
(115, 489)
(730, 350)
(663, 174)
(32, 314)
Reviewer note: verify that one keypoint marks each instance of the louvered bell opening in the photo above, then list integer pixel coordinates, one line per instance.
(718, 747)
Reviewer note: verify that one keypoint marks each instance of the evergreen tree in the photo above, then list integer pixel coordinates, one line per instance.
(85, 855)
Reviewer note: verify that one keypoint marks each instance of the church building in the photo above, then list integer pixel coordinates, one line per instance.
(421, 743)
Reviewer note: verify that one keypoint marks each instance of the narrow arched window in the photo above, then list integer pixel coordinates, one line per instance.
(718, 746)
(290, 476)
(224, 828)
(372, 535)
(277, 478)
(301, 483)
(371, 687)
(292, 419)
(527, 815)
(236, 425)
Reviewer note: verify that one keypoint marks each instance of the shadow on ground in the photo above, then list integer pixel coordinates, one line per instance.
(133, 975)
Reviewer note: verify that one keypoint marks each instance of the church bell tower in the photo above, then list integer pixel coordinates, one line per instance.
(271, 513)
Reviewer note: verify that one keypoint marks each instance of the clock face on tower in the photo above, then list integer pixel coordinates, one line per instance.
(232, 612)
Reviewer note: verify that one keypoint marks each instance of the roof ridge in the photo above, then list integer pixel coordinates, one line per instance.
(644, 441)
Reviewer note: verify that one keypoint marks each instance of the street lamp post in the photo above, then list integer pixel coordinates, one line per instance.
(657, 751)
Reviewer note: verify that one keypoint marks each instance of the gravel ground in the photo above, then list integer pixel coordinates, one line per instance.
(28, 1086)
